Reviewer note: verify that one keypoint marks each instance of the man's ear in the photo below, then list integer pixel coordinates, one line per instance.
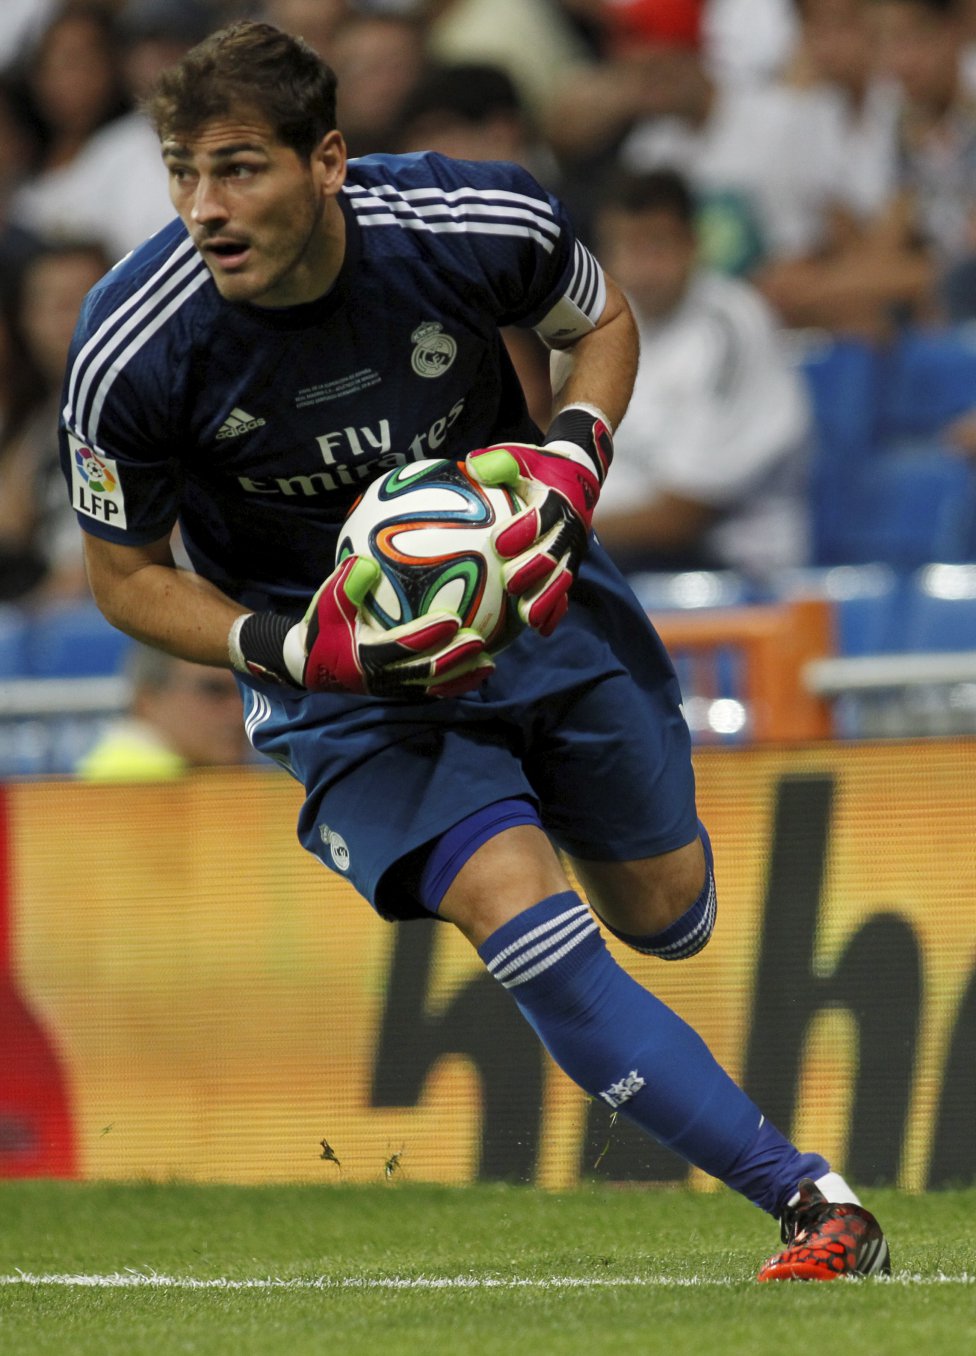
(329, 161)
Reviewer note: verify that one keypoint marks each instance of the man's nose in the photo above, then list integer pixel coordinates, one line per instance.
(208, 205)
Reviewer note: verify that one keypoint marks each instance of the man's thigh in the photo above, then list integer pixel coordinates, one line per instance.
(614, 775)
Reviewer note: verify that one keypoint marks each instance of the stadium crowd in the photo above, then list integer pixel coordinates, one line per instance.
(769, 180)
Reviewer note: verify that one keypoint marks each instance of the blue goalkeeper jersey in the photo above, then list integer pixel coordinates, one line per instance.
(256, 429)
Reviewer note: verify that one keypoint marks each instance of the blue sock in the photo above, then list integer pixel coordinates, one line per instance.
(622, 1045)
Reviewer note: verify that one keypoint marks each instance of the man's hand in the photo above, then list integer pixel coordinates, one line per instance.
(332, 649)
(559, 483)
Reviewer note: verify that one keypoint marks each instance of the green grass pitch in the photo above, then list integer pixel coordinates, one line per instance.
(402, 1268)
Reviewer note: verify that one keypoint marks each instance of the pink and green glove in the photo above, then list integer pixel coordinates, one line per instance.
(332, 649)
(559, 482)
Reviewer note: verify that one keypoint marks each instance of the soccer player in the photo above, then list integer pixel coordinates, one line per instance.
(306, 324)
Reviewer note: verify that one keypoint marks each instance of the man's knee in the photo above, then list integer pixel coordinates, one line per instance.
(688, 928)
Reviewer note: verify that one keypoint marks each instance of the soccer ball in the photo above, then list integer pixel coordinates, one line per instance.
(428, 526)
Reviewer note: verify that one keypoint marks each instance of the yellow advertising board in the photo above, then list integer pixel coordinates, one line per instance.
(186, 994)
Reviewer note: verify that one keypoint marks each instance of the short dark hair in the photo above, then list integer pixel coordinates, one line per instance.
(252, 66)
(470, 91)
(660, 190)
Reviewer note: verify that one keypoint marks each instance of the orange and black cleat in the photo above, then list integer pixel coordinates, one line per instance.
(825, 1240)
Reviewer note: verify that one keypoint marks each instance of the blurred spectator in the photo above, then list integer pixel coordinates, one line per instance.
(653, 102)
(39, 544)
(20, 23)
(741, 40)
(531, 40)
(75, 80)
(869, 271)
(709, 463)
(748, 40)
(762, 157)
(180, 716)
(22, 390)
(115, 190)
(834, 59)
(591, 110)
(20, 146)
(21, 383)
(314, 20)
(474, 112)
(922, 45)
(378, 60)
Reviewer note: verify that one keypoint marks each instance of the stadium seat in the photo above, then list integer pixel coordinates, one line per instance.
(904, 508)
(929, 379)
(843, 377)
(882, 485)
(73, 640)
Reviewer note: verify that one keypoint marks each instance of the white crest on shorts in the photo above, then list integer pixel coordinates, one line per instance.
(337, 846)
(433, 351)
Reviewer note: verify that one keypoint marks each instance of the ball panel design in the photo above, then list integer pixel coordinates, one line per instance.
(428, 526)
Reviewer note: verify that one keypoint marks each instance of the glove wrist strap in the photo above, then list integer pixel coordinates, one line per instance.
(256, 645)
(586, 429)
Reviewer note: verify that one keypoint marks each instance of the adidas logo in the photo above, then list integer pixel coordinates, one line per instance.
(238, 422)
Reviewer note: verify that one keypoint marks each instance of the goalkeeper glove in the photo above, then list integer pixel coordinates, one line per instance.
(559, 483)
(332, 649)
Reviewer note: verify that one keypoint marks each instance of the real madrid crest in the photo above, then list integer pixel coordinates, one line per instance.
(434, 351)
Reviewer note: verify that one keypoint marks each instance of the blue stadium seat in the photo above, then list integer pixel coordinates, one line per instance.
(904, 508)
(843, 380)
(73, 640)
(843, 377)
(929, 379)
(882, 486)
(13, 642)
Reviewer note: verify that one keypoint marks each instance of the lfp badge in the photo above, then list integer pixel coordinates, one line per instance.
(95, 488)
(95, 472)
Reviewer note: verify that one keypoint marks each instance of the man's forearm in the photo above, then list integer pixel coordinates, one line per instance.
(169, 608)
(601, 367)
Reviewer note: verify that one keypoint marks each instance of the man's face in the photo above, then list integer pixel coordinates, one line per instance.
(54, 288)
(198, 713)
(377, 61)
(838, 39)
(918, 48)
(651, 255)
(257, 211)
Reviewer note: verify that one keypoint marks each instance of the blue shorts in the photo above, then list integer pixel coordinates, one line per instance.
(586, 723)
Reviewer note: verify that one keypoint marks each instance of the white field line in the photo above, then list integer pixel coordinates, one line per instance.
(134, 1280)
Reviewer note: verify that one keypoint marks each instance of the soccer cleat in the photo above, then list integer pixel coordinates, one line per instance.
(825, 1240)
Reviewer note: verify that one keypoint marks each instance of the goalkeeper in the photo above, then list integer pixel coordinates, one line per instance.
(305, 324)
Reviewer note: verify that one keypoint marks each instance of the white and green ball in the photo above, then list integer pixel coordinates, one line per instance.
(428, 526)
